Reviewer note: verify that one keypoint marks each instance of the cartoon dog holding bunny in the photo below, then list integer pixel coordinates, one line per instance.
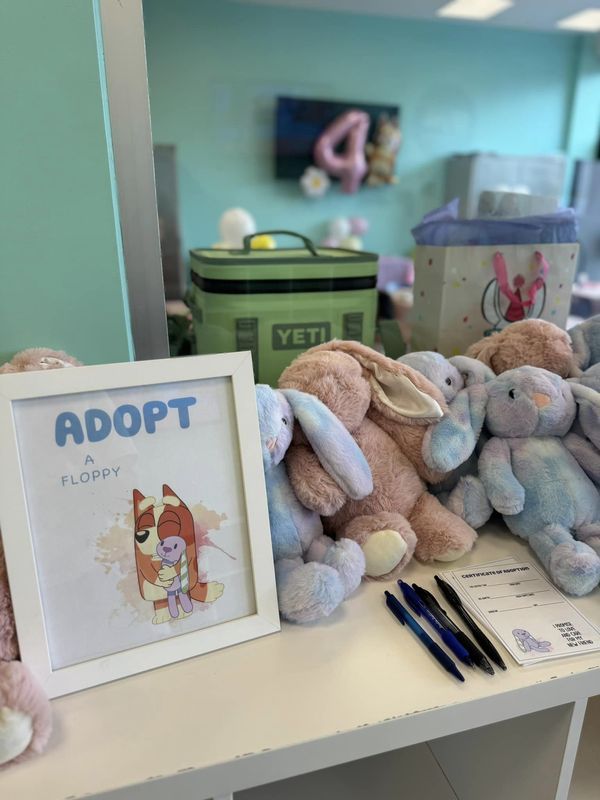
(168, 574)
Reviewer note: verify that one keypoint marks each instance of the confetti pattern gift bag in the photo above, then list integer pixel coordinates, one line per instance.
(466, 292)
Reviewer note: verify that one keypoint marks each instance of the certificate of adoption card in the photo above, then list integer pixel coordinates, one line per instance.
(530, 616)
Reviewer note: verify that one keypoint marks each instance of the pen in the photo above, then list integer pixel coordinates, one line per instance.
(436, 651)
(438, 612)
(480, 637)
(421, 610)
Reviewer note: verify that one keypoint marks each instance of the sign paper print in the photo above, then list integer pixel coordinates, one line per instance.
(137, 514)
(528, 614)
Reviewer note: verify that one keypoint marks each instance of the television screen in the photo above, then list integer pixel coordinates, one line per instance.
(299, 123)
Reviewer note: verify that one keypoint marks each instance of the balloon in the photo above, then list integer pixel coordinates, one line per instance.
(234, 224)
(339, 227)
(263, 242)
(358, 225)
(351, 165)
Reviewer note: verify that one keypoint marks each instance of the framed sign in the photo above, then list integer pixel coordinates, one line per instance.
(134, 516)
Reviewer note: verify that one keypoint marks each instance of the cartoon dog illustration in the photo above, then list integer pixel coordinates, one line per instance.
(159, 571)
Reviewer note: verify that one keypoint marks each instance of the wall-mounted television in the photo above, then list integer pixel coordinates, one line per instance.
(299, 121)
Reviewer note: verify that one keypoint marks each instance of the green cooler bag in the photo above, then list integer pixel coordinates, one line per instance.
(278, 303)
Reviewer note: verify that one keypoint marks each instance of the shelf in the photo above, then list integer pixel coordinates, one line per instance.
(310, 697)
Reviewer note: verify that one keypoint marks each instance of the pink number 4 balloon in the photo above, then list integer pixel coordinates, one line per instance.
(350, 166)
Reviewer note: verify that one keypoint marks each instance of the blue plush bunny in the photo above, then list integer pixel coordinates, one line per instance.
(533, 480)
(461, 491)
(585, 339)
(314, 573)
(583, 441)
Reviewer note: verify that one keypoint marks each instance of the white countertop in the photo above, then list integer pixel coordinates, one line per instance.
(352, 685)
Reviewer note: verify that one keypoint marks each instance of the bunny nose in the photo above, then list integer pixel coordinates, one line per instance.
(271, 443)
(541, 400)
(166, 549)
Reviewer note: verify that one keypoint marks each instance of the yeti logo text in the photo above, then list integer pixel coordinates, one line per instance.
(298, 336)
(126, 420)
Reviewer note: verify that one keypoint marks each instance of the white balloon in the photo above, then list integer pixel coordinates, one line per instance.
(234, 224)
(339, 228)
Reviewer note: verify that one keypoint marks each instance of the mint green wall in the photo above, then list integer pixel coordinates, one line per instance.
(60, 250)
(216, 67)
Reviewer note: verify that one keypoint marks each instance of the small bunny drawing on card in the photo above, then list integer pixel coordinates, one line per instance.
(528, 643)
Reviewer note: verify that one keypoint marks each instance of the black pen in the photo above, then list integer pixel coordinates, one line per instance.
(480, 637)
(438, 612)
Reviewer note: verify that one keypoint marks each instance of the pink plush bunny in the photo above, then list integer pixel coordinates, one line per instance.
(400, 421)
(25, 721)
(25, 718)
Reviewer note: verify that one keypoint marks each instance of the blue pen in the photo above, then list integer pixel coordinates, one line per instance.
(447, 637)
(402, 615)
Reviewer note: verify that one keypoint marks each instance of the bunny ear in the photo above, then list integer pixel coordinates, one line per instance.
(484, 350)
(581, 349)
(588, 410)
(337, 451)
(449, 444)
(472, 370)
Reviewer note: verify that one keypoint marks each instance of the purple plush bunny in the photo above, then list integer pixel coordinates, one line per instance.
(533, 479)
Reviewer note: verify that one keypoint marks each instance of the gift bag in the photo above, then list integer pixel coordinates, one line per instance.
(475, 276)
(462, 293)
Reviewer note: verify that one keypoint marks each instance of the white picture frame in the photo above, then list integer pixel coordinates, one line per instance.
(19, 541)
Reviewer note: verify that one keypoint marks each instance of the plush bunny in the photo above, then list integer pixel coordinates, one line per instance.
(37, 358)
(25, 721)
(461, 491)
(397, 418)
(314, 573)
(585, 340)
(532, 342)
(583, 440)
(25, 718)
(533, 479)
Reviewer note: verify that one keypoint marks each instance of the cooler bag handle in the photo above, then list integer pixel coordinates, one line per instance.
(306, 241)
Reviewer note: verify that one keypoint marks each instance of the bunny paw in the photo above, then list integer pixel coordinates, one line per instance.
(468, 500)
(383, 550)
(574, 568)
(307, 592)
(508, 504)
(348, 559)
(16, 731)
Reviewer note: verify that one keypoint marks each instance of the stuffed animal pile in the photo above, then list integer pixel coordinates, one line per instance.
(446, 442)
